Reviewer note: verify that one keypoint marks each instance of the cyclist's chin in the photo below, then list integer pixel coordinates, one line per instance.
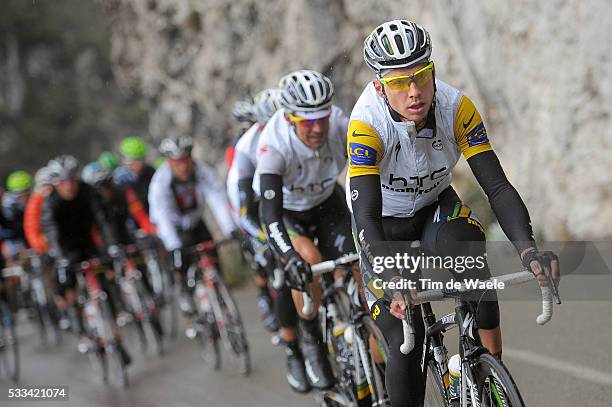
(315, 141)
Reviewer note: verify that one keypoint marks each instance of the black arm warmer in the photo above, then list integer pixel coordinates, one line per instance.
(366, 199)
(505, 201)
(271, 186)
(248, 215)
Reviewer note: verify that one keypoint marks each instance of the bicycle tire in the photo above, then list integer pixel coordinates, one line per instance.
(234, 328)
(495, 385)
(117, 369)
(208, 338)
(435, 392)
(148, 322)
(10, 344)
(357, 394)
(375, 342)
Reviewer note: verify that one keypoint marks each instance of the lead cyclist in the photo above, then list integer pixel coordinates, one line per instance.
(406, 134)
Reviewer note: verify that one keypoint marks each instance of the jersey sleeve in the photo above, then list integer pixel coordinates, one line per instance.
(364, 149)
(470, 133)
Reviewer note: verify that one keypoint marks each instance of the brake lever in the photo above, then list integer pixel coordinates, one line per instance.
(551, 283)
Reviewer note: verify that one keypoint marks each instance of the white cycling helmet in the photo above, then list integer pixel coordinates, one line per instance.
(176, 147)
(62, 168)
(244, 111)
(95, 174)
(396, 44)
(266, 103)
(42, 177)
(305, 91)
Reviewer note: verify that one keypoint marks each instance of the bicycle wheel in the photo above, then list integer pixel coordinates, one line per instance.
(48, 327)
(208, 337)
(147, 318)
(495, 385)
(9, 345)
(114, 352)
(435, 392)
(371, 338)
(169, 311)
(232, 329)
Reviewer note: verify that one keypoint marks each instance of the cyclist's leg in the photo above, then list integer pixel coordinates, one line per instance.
(301, 234)
(403, 376)
(453, 230)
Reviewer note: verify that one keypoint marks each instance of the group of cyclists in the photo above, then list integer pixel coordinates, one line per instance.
(404, 136)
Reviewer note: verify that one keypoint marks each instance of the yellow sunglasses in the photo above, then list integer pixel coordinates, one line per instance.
(306, 122)
(402, 83)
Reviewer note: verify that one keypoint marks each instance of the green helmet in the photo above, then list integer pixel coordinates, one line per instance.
(133, 148)
(108, 160)
(19, 181)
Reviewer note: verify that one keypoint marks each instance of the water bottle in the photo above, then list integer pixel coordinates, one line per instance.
(454, 382)
(338, 332)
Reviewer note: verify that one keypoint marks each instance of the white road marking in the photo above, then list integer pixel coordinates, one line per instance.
(580, 372)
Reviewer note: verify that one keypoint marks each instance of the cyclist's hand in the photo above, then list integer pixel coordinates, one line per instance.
(398, 306)
(533, 260)
(298, 272)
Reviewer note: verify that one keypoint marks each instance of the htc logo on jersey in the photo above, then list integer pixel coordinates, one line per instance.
(400, 184)
(313, 187)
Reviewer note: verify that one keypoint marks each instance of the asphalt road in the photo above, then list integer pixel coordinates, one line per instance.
(566, 363)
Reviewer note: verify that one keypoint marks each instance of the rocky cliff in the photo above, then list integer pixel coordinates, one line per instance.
(540, 72)
(57, 93)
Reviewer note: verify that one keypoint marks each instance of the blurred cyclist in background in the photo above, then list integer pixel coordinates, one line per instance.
(244, 113)
(245, 203)
(32, 217)
(134, 172)
(18, 187)
(179, 191)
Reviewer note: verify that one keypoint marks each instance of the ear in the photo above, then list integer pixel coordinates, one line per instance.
(378, 87)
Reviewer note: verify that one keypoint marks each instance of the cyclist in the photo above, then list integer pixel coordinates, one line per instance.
(134, 172)
(301, 152)
(18, 185)
(179, 190)
(69, 216)
(407, 132)
(31, 219)
(245, 115)
(245, 203)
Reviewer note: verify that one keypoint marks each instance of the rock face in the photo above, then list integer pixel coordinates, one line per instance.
(540, 73)
(56, 90)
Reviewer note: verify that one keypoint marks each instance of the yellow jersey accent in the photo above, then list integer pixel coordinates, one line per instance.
(364, 149)
(470, 131)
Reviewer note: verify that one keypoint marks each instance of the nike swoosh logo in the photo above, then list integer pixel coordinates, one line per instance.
(465, 125)
(355, 134)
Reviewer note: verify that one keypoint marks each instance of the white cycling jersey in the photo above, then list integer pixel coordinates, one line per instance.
(309, 175)
(175, 206)
(243, 165)
(414, 166)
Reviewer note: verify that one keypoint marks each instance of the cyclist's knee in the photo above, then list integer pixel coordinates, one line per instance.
(307, 250)
(487, 316)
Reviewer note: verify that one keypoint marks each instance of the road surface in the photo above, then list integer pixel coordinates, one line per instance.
(566, 363)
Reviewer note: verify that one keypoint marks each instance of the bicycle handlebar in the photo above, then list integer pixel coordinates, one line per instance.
(508, 279)
(325, 267)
